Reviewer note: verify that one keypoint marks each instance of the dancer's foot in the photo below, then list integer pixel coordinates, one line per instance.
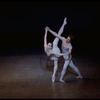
(65, 21)
(53, 79)
(79, 76)
(62, 81)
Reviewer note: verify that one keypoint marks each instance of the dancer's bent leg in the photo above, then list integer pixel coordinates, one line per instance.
(75, 69)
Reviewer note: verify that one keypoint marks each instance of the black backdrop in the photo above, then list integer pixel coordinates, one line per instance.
(22, 25)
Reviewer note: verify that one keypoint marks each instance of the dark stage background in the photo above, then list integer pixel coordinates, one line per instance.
(22, 25)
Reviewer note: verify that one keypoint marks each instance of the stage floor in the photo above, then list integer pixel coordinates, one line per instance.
(29, 77)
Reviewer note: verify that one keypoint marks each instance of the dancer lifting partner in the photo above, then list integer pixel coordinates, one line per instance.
(53, 50)
(67, 49)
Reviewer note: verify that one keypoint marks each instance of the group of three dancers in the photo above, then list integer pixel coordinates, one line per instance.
(52, 50)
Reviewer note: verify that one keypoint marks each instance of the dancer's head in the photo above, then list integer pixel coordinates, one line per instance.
(49, 46)
(69, 38)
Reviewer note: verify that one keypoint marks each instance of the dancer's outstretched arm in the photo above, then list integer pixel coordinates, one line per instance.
(62, 27)
(54, 33)
(60, 54)
(63, 54)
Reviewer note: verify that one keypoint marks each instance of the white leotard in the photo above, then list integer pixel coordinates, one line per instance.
(57, 50)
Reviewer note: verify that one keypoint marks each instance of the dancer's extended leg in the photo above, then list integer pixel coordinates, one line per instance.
(56, 40)
(75, 69)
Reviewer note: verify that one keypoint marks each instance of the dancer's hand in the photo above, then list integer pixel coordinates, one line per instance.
(47, 28)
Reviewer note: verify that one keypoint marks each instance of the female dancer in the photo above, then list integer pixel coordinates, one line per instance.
(53, 51)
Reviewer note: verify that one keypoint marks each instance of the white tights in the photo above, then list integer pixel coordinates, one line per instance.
(70, 63)
(55, 70)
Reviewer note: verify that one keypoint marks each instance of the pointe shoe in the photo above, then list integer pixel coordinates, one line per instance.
(79, 77)
(62, 81)
(65, 21)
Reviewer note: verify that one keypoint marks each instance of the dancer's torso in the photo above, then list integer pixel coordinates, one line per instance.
(54, 56)
(65, 49)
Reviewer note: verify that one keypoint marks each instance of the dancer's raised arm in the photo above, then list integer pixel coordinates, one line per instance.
(55, 34)
(45, 40)
(60, 54)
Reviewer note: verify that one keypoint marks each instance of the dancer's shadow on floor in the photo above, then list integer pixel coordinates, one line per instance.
(70, 75)
(48, 65)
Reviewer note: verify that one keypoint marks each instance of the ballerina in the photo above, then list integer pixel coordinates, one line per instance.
(53, 51)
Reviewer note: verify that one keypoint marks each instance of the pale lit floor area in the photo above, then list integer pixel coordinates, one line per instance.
(29, 77)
